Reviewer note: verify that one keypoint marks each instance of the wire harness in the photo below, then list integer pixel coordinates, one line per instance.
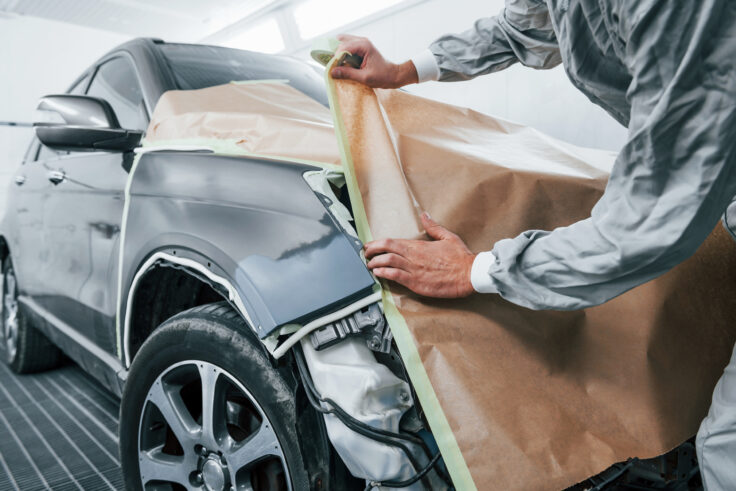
(398, 440)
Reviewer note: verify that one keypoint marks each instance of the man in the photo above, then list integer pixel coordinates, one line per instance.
(666, 71)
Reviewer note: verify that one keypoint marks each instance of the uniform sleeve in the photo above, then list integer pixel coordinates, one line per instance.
(521, 32)
(671, 182)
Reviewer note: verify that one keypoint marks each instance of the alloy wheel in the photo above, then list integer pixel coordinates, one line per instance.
(202, 429)
(8, 293)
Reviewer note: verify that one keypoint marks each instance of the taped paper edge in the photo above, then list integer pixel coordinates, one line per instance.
(229, 147)
(440, 427)
(264, 81)
(123, 226)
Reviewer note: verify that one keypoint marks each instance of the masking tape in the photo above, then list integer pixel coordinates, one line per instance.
(123, 226)
(323, 50)
(254, 82)
(436, 417)
(230, 147)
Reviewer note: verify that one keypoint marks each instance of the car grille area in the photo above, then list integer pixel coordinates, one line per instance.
(58, 430)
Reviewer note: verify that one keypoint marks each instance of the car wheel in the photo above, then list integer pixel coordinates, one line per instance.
(26, 349)
(204, 408)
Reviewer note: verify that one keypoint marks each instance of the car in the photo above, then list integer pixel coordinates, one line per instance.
(158, 306)
(155, 283)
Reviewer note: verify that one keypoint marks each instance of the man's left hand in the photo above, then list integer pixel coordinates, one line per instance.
(434, 268)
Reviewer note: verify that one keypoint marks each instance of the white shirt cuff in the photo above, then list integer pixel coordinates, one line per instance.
(479, 273)
(426, 66)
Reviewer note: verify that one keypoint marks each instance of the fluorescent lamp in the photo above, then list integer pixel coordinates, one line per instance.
(220, 18)
(315, 17)
(264, 36)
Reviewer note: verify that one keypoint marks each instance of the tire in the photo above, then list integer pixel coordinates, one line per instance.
(262, 403)
(25, 348)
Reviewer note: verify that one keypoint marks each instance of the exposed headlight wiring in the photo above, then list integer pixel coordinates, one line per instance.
(390, 438)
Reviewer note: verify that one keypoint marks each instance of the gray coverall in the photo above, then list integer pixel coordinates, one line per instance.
(666, 70)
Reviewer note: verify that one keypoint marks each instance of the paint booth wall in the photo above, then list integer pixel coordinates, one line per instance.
(543, 99)
(39, 57)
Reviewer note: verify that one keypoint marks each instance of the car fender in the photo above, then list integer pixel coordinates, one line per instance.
(258, 225)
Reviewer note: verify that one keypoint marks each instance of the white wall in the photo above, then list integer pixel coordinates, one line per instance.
(544, 99)
(39, 57)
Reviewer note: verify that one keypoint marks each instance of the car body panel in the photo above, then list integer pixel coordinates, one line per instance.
(22, 226)
(82, 218)
(100, 364)
(258, 223)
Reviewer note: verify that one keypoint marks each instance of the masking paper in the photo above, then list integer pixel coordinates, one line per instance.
(516, 399)
(522, 399)
(266, 118)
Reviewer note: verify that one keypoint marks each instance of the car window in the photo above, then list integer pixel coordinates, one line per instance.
(116, 82)
(46, 153)
(198, 66)
(80, 87)
(32, 150)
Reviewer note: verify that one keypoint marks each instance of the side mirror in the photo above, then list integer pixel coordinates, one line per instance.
(79, 122)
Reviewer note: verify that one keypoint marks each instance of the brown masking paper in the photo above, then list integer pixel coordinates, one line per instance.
(267, 118)
(536, 400)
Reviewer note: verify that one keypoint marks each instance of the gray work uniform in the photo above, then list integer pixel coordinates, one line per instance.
(666, 70)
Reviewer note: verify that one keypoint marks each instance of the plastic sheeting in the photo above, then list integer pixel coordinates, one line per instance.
(522, 399)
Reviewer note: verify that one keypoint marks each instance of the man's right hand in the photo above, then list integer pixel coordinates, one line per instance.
(375, 71)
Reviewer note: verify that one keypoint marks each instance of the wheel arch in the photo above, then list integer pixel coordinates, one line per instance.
(165, 284)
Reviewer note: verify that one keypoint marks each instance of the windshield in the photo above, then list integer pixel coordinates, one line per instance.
(197, 67)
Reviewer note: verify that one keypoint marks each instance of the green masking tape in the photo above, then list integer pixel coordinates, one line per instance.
(436, 417)
(324, 49)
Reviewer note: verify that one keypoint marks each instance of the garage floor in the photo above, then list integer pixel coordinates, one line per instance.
(58, 430)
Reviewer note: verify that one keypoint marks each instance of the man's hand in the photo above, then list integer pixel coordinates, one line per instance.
(375, 71)
(436, 268)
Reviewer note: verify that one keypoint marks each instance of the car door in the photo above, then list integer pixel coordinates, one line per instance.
(83, 214)
(24, 221)
(26, 203)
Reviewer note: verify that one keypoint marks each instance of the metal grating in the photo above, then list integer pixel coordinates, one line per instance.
(58, 430)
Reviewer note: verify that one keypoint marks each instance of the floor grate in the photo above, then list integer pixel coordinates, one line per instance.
(58, 430)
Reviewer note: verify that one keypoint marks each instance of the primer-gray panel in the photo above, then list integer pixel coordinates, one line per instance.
(256, 222)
